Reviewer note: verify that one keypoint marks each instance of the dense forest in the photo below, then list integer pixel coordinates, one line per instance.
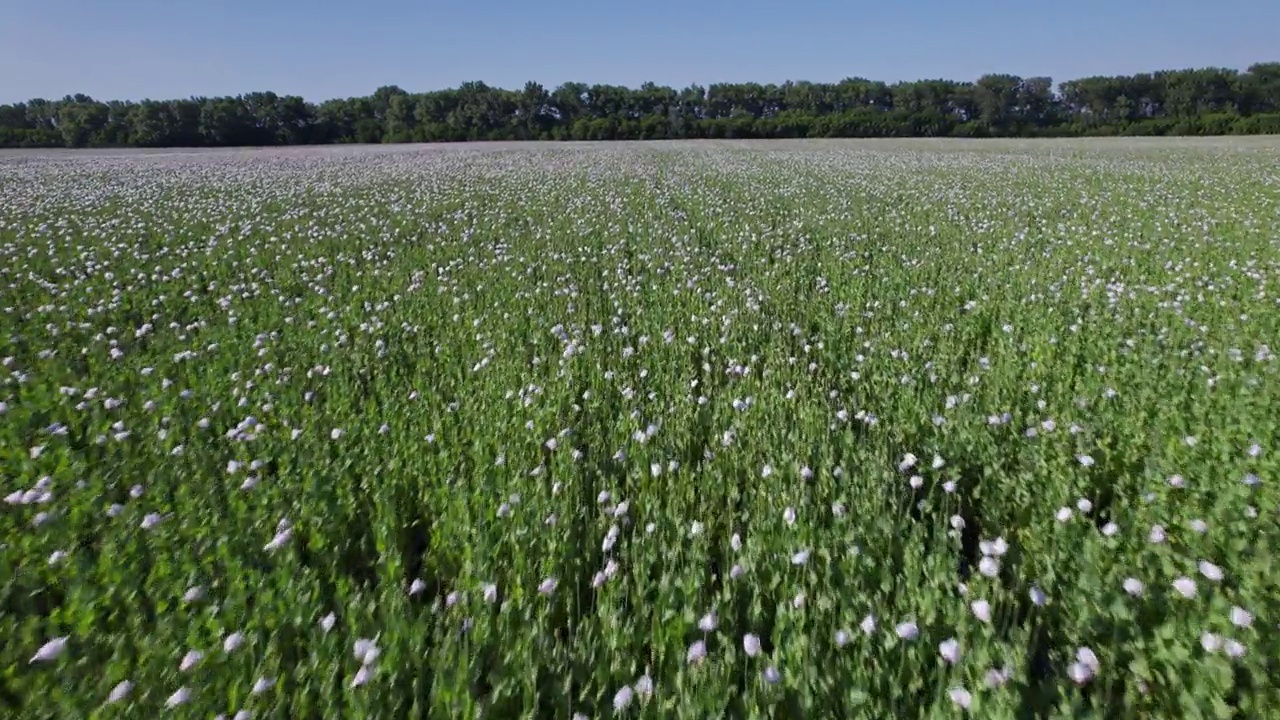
(1210, 101)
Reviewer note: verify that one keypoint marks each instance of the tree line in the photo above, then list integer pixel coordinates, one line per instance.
(1208, 101)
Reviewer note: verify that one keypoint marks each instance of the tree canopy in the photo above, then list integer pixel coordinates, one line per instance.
(1207, 101)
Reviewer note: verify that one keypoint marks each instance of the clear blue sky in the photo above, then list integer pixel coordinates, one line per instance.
(133, 49)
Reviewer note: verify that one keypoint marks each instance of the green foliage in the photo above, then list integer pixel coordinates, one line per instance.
(1211, 101)
(885, 425)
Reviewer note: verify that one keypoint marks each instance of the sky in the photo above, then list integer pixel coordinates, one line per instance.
(320, 49)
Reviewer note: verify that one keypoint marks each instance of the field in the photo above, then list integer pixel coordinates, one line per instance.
(743, 430)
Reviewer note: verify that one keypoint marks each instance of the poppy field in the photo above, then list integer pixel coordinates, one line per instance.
(912, 429)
